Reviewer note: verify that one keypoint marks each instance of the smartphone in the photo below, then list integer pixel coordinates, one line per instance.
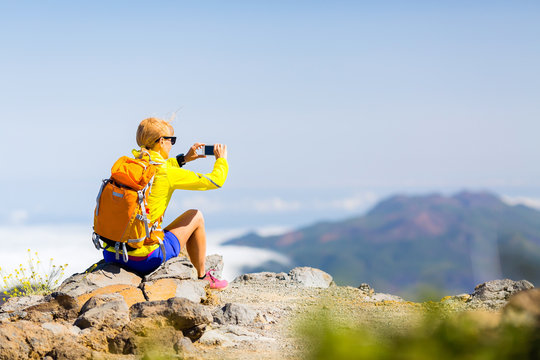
(207, 150)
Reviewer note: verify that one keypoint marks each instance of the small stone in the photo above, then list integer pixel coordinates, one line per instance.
(366, 288)
(100, 300)
(461, 298)
(195, 332)
(231, 336)
(5, 317)
(215, 337)
(261, 277)
(282, 276)
(184, 346)
(378, 297)
(233, 313)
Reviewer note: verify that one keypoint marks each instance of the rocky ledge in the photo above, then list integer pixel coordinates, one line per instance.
(111, 313)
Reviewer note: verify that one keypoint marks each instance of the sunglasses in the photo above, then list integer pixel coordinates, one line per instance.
(172, 138)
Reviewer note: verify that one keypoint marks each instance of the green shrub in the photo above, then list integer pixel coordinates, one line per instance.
(441, 335)
(32, 279)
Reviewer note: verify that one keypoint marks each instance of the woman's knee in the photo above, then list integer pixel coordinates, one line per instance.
(196, 215)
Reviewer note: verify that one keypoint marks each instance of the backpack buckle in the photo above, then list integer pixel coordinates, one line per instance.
(95, 240)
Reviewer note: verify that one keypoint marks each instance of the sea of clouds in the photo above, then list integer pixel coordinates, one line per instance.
(72, 245)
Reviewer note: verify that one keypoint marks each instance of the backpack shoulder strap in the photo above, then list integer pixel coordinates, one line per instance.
(146, 152)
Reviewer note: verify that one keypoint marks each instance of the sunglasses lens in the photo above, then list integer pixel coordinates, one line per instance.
(173, 140)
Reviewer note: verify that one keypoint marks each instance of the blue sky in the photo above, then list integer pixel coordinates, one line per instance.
(326, 106)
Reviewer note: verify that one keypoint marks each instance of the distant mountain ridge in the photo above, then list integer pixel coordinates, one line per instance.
(447, 242)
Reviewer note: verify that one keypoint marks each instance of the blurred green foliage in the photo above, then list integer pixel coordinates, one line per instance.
(439, 335)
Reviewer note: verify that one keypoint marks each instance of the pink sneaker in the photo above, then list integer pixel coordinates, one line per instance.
(215, 283)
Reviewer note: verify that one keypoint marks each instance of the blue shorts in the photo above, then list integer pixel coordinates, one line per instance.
(153, 260)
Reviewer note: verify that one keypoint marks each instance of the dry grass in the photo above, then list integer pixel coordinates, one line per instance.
(32, 279)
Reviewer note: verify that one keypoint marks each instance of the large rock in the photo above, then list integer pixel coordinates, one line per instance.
(104, 278)
(103, 275)
(165, 288)
(494, 294)
(24, 340)
(108, 310)
(131, 294)
(176, 268)
(148, 339)
(16, 308)
(310, 277)
(27, 340)
(57, 328)
(20, 303)
(66, 348)
(55, 306)
(98, 302)
(183, 314)
(193, 290)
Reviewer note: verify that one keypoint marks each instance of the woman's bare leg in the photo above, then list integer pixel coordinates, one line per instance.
(189, 229)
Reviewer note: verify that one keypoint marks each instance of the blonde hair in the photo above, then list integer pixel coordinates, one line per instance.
(150, 130)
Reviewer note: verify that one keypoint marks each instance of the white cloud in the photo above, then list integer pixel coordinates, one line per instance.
(522, 200)
(65, 244)
(18, 217)
(72, 245)
(276, 204)
(272, 230)
(203, 203)
(216, 237)
(237, 257)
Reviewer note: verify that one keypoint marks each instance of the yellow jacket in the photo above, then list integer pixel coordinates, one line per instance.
(169, 177)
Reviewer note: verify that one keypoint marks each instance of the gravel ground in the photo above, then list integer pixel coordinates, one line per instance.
(285, 306)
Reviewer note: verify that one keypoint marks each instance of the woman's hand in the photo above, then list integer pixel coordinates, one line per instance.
(192, 153)
(220, 151)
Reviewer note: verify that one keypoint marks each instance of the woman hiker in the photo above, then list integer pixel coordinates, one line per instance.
(156, 138)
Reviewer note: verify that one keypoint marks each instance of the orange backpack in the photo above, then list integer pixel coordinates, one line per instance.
(120, 217)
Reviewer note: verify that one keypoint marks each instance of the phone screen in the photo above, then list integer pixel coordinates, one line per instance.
(209, 150)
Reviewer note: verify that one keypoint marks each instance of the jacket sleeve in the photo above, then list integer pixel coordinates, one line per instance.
(189, 180)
